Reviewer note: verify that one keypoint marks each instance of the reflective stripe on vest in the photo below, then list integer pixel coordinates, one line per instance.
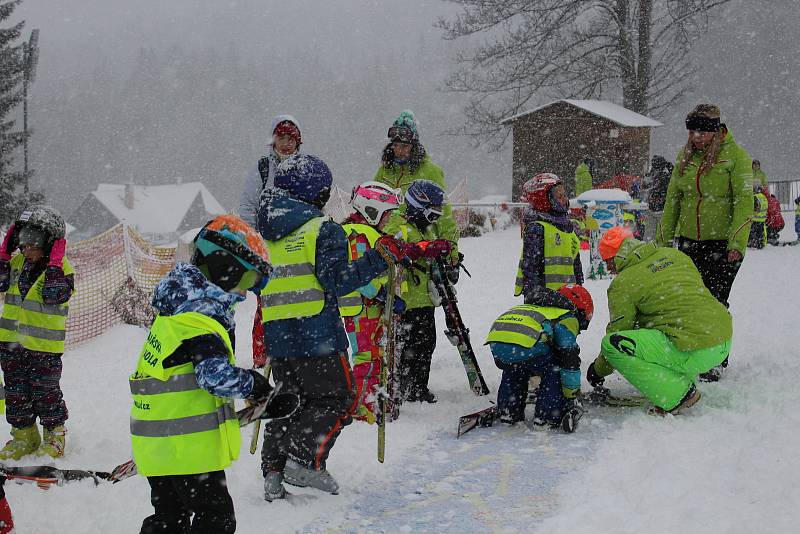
(522, 325)
(29, 321)
(352, 304)
(293, 290)
(760, 211)
(560, 250)
(178, 428)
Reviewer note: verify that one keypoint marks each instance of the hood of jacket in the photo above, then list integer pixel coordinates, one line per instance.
(279, 214)
(279, 119)
(559, 220)
(185, 289)
(633, 251)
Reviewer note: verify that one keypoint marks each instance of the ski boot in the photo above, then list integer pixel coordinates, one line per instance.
(569, 421)
(52, 442)
(712, 375)
(24, 441)
(689, 400)
(273, 486)
(300, 476)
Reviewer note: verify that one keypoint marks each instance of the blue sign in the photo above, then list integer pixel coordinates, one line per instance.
(602, 214)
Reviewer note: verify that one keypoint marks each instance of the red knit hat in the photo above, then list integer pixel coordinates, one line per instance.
(288, 128)
(612, 240)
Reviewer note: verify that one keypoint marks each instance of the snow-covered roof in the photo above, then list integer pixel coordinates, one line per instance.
(603, 195)
(601, 108)
(156, 208)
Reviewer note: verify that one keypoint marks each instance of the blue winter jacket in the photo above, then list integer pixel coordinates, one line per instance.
(183, 290)
(322, 334)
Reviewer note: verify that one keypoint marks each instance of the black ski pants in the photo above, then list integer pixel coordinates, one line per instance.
(417, 341)
(327, 397)
(711, 259)
(176, 497)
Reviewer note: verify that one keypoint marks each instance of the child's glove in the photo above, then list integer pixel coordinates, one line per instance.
(7, 246)
(435, 248)
(262, 389)
(57, 253)
(56, 288)
(393, 250)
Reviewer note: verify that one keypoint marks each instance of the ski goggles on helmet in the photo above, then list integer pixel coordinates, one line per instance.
(32, 237)
(247, 261)
(399, 134)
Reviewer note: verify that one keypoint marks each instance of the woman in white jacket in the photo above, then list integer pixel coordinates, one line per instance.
(285, 141)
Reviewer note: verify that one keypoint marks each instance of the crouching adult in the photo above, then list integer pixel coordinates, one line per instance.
(665, 327)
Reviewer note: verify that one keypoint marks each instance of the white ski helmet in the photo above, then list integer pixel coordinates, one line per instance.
(373, 199)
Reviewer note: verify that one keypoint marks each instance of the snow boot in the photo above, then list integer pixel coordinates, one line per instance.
(53, 442)
(273, 486)
(712, 375)
(300, 476)
(425, 395)
(23, 441)
(689, 400)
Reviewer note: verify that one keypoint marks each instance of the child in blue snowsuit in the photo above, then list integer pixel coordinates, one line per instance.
(540, 338)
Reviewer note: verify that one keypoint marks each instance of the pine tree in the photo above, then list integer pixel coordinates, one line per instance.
(12, 72)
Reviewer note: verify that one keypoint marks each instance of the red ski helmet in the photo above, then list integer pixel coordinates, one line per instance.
(536, 191)
(582, 300)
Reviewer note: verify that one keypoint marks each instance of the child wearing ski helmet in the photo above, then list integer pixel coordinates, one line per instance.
(38, 283)
(373, 203)
(186, 372)
(302, 326)
(550, 249)
(424, 203)
(539, 338)
(405, 160)
(665, 327)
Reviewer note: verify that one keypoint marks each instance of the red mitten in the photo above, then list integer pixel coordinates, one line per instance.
(5, 254)
(57, 252)
(436, 248)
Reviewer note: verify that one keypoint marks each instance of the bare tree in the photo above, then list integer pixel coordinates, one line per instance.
(526, 51)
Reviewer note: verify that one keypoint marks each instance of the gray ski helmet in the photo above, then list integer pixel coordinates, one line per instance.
(44, 218)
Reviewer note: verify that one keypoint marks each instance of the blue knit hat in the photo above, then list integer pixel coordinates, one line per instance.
(304, 177)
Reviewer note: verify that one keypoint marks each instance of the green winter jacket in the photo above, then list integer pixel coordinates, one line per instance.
(715, 206)
(397, 176)
(415, 291)
(660, 288)
(583, 179)
(760, 177)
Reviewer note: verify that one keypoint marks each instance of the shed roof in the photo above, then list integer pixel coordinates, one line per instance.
(156, 208)
(601, 108)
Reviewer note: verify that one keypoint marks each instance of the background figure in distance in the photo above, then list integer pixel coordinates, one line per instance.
(758, 230)
(775, 222)
(584, 174)
(760, 177)
(709, 204)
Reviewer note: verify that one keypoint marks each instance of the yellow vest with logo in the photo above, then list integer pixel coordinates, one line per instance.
(293, 290)
(177, 427)
(522, 325)
(560, 249)
(30, 322)
(760, 212)
(352, 304)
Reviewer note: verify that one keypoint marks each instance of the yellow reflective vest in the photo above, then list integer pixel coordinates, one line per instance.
(30, 322)
(178, 428)
(293, 290)
(352, 304)
(560, 250)
(760, 211)
(522, 325)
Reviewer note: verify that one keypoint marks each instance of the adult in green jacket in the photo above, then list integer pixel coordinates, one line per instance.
(405, 160)
(759, 176)
(664, 326)
(583, 176)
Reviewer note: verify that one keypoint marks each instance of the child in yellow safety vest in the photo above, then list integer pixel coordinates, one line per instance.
(38, 283)
(550, 249)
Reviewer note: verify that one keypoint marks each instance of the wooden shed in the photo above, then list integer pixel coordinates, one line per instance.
(556, 137)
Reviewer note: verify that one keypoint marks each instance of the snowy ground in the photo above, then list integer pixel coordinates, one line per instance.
(729, 466)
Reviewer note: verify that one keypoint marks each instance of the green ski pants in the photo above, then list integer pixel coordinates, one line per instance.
(651, 363)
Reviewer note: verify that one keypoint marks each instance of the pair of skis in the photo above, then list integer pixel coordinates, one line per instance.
(599, 397)
(457, 332)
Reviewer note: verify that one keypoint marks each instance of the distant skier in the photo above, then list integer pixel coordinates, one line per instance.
(38, 283)
(584, 173)
(758, 229)
(417, 330)
(774, 222)
(184, 430)
(539, 338)
(665, 327)
(303, 329)
(550, 249)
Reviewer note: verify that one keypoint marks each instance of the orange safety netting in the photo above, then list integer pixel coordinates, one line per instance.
(115, 273)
